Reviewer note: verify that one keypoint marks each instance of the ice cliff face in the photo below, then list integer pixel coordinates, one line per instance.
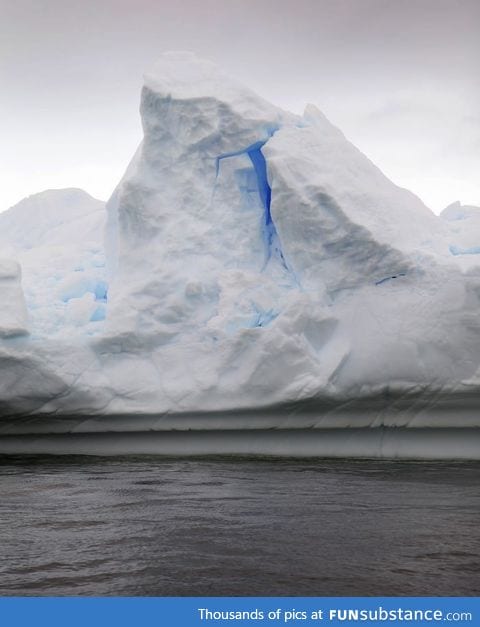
(253, 258)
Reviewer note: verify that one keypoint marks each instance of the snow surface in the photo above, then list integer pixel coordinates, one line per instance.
(253, 260)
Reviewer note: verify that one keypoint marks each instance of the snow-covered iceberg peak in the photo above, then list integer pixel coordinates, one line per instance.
(184, 76)
(194, 205)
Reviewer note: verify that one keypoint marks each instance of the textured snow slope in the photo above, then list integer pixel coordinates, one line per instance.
(254, 259)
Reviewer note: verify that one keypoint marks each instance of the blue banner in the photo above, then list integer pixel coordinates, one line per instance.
(238, 611)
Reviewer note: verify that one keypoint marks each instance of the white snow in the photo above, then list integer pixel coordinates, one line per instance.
(253, 260)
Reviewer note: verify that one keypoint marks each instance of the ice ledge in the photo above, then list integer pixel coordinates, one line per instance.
(390, 411)
(423, 444)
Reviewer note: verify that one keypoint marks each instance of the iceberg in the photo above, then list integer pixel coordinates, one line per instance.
(254, 285)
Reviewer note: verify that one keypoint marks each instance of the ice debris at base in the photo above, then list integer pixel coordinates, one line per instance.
(251, 258)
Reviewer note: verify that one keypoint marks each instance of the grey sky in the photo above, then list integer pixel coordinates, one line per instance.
(400, 78)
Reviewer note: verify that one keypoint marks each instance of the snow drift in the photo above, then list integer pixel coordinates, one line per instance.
(257, 271)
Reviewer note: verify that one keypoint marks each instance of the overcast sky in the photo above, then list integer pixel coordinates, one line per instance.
(401, 78)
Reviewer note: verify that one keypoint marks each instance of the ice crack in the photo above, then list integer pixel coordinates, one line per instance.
(273, 248)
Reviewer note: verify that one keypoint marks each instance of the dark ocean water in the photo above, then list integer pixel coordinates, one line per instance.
(158, 527)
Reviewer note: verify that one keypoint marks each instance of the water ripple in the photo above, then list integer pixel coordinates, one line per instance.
(159, 527)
